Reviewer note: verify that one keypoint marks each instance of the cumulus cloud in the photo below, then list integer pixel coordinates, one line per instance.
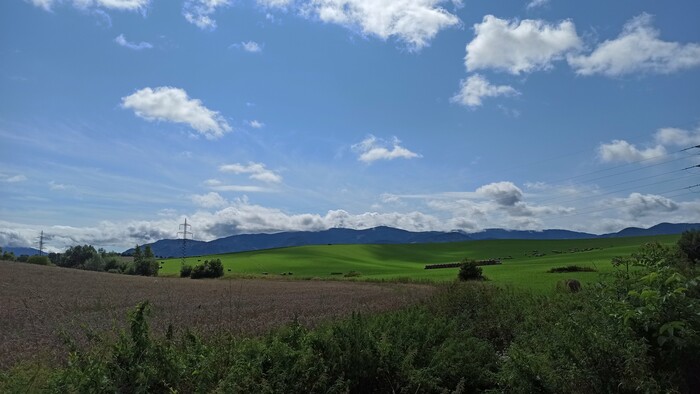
(199, 12)
(504, 193)
(415, 22)
(256, 124)
(173, 105)
(257, 171)
(476, 87)
(372, 149)
(638, 205)
(670, 136)
(210, 200)
(537, 3)
(519, 46)
(621, 150)
(126, 5)
(251, 46)
(121, 40)
(637, 49)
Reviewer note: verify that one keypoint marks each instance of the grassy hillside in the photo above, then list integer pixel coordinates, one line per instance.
(527, 267)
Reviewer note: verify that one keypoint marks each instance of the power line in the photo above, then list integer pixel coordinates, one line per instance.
(630, 181)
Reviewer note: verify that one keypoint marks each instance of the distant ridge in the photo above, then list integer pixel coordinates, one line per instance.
(18, 250)
(384, 235)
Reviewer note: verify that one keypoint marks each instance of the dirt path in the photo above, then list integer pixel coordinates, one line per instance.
(37, 302)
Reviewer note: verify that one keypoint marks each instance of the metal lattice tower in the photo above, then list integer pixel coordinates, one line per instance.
(41, 243)
(185, 232)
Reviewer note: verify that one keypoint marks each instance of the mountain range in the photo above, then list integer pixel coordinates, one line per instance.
(383, 235)
(377, 235)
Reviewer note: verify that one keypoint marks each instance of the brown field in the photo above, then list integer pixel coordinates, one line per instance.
(38, 302)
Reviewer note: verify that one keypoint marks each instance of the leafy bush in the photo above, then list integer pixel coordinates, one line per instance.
(352, 274)
(185, 271)
(469, 270)
(689, 245)
(39, 260)
(209, 269)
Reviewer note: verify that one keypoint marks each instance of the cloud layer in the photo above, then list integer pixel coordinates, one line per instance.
(174, 105)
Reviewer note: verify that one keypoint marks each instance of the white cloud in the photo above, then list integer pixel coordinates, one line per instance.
(45, 4)
(638, 205)
(503, 193)
(12, 178)
(519, 47)
(621, 150)
(256, 124)
(275, 3)
(476, 87)
(173, 105)
(414, 22)
(121, 40)
(257, 171)
(537, 3)
(125, 5)
(57, 186)
(372, 149)
(251, 46)
(637, 49)
(210, 200)
(198, 12)
(677, 137)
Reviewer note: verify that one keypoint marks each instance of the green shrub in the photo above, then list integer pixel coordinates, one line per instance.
(352, 274)
(209, 269)
(469, 270)
(39, 260)
(185, 271)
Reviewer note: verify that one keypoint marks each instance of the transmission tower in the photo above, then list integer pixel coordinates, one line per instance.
(41, 243)
(185, 232)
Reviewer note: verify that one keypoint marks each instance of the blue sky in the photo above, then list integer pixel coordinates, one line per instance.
(119, 118)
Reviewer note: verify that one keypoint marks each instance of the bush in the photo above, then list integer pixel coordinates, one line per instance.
(185, 271)
(689, 245)
(39, 260)
(352, 274)
(469, 270)
(209, 269)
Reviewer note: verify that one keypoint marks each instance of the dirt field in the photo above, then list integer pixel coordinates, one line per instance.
(37, 302)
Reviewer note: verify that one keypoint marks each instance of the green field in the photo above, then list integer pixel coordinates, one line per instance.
(390, 262)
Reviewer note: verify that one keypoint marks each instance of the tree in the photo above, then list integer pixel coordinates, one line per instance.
(469, 270)
(689, 245)
(145, 263)
(77, 256)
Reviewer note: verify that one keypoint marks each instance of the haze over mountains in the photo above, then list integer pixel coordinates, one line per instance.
(377, 235)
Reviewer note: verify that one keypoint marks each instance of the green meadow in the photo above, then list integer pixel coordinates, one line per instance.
(524, 262)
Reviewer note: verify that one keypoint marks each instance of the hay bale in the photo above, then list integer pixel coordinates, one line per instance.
(569, 286)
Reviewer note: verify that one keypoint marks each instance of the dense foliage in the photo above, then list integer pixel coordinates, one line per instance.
(208, 269)
(470, 270)
(638, 331)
